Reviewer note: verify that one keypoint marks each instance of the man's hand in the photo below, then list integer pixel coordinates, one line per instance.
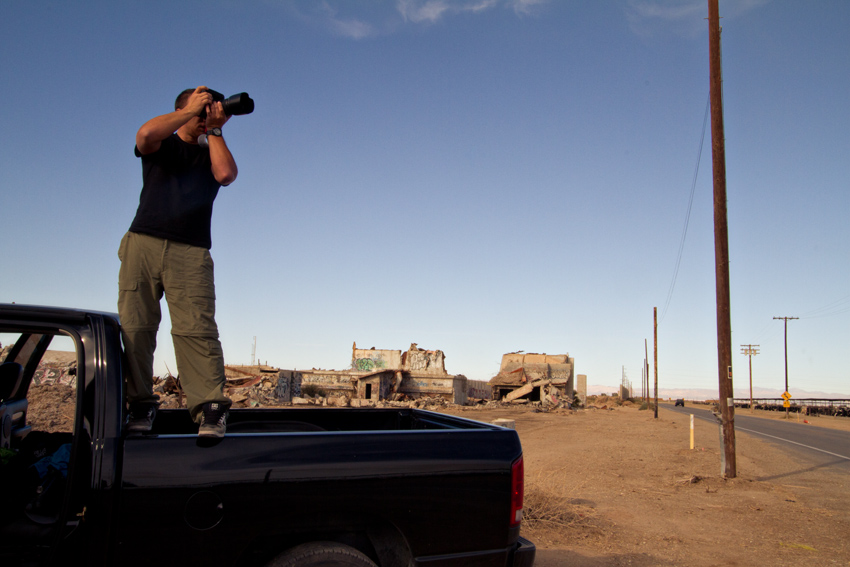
(223, 165)
(216, 118)
(198, 101)
(185, 120)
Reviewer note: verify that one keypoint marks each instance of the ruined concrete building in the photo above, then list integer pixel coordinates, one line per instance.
(534, 377)
(378, 374)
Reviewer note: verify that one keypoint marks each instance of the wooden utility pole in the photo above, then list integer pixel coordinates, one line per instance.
(655, 330)
(721, 245)
(750, 351)
(646, 361)
(786, 362)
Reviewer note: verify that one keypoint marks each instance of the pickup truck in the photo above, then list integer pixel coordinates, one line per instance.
(393, 487)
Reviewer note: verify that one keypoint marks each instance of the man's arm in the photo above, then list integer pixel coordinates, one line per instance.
(154, 131)
(223, 165)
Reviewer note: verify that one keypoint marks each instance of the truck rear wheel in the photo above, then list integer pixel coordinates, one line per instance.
(322, 554)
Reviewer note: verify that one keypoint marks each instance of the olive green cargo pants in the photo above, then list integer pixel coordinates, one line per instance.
(151, 267)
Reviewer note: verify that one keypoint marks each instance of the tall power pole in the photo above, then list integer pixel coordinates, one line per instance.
(786, 357)
(655, 355)
(750, 351)
(646, 362)
(721, 245)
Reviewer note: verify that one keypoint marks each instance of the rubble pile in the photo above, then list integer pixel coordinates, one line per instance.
(169, 392)
(401, 401)
(247, 392)
(265, 391)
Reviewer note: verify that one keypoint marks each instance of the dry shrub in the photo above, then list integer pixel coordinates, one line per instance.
(548, 503)
(554, 516)
(543, 510)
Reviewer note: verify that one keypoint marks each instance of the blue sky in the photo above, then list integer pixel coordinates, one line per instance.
(477, 176)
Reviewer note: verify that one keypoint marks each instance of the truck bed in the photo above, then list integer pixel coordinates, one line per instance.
(173, 422)
(298, 469)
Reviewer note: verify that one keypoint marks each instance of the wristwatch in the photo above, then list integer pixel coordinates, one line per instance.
(214, 132)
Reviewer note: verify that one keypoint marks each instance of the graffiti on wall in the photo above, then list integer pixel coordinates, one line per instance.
(370, 364)
(425, 361)
(50, 375)
(329, 380)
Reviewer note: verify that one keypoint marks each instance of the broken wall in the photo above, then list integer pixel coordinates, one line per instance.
(479, 389)
(375, 387)
(331, 381)
(381, 373)
(421, 361)
(450, 388)
(581, 388)
(288, 385)
(370, 360)
(515, 359)
(518, 370)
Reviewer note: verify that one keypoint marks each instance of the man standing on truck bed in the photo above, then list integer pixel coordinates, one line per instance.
(166, 251)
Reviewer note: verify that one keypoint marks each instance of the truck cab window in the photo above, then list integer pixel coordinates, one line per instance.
(38, 382)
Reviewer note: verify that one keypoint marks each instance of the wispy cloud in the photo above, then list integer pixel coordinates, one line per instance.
(357, 19)
(351, 27)
(527, 7)
(682, 17)
(430, 11)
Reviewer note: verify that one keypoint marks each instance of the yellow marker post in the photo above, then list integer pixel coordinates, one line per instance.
(692, 432)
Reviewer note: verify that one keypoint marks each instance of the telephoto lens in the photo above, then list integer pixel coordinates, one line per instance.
(235, 105)
(238, 105)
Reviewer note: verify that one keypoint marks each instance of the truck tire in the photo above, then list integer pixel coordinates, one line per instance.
(322, 554)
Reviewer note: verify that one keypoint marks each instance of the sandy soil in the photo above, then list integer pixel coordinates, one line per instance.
(51, 408)
(619, 487)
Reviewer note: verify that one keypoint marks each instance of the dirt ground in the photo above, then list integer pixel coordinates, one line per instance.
(619, 487)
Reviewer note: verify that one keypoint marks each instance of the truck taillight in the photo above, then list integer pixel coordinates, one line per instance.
(517, 484)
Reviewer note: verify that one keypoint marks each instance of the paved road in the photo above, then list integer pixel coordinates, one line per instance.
(826, 447)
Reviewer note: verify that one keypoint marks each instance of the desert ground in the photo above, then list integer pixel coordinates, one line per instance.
(617, 486)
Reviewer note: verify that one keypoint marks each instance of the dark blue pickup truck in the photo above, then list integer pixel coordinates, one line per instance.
(286, 487)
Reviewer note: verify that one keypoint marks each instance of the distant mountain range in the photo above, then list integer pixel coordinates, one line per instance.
(709, 394)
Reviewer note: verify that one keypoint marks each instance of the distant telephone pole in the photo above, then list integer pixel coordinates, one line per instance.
(646, 362)
(786, 355)
(750, 351)
(655, 355)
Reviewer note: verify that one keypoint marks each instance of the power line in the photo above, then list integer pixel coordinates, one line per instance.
(837, 307)
(688, 213)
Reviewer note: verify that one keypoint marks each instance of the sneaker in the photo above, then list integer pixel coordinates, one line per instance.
(214, 422)
(140, 417)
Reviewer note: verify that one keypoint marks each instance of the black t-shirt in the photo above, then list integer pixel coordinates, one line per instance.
(177, 194)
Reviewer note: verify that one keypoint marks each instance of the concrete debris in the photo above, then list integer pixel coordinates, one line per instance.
(245, 392)
(392, 378)
(379, 375)
(546, 378)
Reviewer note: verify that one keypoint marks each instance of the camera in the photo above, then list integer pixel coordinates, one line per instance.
(235, 105)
